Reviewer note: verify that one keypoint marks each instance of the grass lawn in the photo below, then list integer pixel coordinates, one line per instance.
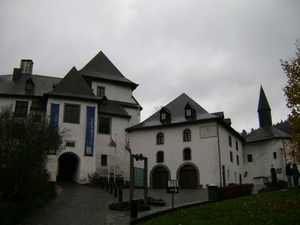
(276, 208)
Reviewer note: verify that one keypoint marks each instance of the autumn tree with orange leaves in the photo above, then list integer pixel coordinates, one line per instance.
(291, 68)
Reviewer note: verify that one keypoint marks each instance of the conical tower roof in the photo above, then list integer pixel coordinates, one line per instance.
(263, 103)
(264, 110)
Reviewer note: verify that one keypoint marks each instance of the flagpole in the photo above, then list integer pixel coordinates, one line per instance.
(108, 170)
(125, 173)
(115, 160)
(125, 163)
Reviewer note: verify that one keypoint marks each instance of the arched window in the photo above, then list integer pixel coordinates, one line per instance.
(160, 138)
(160, 157)
(187, 135)
(274, 155)
(187, 154)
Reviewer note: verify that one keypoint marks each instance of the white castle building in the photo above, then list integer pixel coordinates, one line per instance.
(92, 103)
(181, 141)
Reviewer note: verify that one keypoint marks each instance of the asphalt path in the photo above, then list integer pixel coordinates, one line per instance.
(81, 204)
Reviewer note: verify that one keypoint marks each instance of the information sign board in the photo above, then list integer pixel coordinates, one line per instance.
(173, 186)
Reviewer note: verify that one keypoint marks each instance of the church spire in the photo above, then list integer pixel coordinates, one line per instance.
(264, 110)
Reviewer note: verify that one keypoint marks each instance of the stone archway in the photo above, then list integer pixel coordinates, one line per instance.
(188, 176)
(68, 167)
(159, 177)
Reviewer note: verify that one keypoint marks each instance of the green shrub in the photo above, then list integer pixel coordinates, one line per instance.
(14, 213)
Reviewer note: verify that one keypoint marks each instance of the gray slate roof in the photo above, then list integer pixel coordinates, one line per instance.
(43, 84)
(113, 108)
(266, 133)
(100, 67)
(73, 85)
(176, 108)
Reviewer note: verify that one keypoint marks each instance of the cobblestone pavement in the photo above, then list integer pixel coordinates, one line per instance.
(81, 204)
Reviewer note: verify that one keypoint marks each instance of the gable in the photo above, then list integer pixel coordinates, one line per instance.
(73, 85)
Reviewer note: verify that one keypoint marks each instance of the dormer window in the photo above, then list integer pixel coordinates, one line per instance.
(190, 112)
(104, 100)
(29, 85)
(165, 114)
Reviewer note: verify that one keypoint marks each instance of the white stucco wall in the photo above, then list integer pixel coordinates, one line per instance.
(118, 134)
(233, 169)
(76, 133)
(263, 161)
(205, 154)
(114, 92)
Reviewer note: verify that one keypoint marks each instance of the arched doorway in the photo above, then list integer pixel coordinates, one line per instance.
(188, 177)
(160, 176)
(68, 166)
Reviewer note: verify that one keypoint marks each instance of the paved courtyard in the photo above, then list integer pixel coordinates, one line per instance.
(80, 204)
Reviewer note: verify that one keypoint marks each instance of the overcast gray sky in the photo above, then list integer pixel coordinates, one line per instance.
(217, 52)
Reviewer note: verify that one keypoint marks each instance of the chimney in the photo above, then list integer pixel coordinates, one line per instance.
(26, 66)
(17, 74)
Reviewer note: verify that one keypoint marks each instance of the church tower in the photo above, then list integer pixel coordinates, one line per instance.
(264, 110)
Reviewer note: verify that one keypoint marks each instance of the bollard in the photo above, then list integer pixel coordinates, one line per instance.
(115, 191)
(134, 208)
(120, 195)
(110, 188)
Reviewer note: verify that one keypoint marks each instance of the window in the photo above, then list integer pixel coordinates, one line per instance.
(104, 125)
(230, 141)
(236, 145)
(100, 91)
(160, 139)
(187, 135)
(188, 112)
(231, 157)
(237, 160)
(249, 158)
(72, 113)
(163, 116)
(160, 157)
(21, 109)
(274, 155)
(70, 144)
(187, 155)
(103, 160)
(29, 87)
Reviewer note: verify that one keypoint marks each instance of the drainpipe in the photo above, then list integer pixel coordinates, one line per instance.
(219, 151)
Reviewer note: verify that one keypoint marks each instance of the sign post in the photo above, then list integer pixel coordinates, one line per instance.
(173, 188)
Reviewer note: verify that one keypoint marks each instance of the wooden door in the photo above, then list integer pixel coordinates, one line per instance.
(160, 178)
(188, 177)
